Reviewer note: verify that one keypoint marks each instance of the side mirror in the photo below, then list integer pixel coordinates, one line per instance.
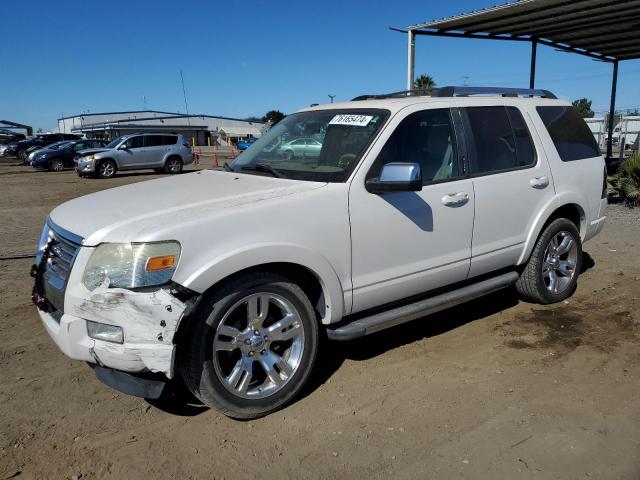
(123, 147)
(397, 177)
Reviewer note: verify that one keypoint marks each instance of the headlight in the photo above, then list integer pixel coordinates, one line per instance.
(89, 157)
(45, 236)
(131, 265)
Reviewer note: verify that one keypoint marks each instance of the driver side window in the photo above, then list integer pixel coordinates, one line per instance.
(426, 137)
(135, 142)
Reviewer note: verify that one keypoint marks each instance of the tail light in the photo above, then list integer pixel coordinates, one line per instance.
(186, 145)
(604, 183)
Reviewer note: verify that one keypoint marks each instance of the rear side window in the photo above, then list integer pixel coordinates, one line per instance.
(153, 140)
(499, 140)
(169, 140)
(569, 132)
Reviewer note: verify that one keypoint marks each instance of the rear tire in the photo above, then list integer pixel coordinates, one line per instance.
(173, 165)
(551, 274)
(250, 346)
(106, 169)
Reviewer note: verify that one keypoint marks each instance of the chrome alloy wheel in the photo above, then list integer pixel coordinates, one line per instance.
(560, 260)
(107, 169)
(258, 345)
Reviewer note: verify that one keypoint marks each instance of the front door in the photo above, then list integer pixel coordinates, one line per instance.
(405, 243)
(133, 154)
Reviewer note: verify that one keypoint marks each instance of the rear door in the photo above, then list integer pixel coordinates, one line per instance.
(511, 180)
(156, 149)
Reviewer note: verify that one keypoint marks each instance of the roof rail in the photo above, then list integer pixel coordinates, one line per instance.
(465, 91)
(403, 93)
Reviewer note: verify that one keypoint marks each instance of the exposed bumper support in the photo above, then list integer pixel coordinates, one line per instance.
(412, 311)
(135, 385)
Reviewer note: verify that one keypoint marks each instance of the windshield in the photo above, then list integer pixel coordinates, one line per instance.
(114, 143)
(57, 145)
(321, 145)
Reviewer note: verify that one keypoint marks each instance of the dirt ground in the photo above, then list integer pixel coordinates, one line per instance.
(495, 389)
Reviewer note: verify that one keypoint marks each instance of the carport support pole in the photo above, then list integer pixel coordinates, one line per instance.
(532, 69)
(411, 58)
(612, 109)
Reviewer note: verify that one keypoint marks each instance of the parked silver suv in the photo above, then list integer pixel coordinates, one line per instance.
(162, 152)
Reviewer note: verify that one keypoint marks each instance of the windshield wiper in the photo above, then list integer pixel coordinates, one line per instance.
(263, 167)
(227, 168)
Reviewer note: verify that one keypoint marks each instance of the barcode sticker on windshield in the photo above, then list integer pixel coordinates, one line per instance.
(353, 120)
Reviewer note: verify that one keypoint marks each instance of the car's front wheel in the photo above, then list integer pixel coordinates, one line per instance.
(551, 274)
(251, 346)
(107, 169)
(56, 165)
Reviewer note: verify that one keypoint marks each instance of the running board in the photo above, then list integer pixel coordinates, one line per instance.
(406, 313)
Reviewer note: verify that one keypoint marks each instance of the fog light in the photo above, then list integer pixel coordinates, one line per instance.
(102, 331)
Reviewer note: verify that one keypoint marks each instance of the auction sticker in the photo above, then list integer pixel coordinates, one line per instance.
(353, 120)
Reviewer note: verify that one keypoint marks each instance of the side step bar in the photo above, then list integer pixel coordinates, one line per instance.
(406, 313)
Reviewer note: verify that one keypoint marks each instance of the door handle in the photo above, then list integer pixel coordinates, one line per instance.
(539, 182)
(455, 199)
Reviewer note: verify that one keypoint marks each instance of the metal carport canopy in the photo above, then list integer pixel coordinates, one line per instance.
(605, 30)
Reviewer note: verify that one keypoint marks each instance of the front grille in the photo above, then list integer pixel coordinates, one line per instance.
(61, 255)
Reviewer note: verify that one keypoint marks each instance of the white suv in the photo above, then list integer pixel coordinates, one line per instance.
(229, 279)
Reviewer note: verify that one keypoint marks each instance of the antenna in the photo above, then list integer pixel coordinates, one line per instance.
(331, 97)
(144, 101)
(184, 94)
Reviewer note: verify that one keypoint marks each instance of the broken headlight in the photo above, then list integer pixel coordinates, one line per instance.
(131, 265)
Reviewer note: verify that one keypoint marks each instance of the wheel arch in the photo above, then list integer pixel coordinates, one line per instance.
(311, 272)
(562, 207)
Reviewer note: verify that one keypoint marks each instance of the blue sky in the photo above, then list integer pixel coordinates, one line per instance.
(244, 58)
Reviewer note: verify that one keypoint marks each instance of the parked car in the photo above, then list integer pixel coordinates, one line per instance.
(31, 151)
(301, 148)
(57, 157)
(229, 279)
(246, 143)
(159, 151)
(19, 149)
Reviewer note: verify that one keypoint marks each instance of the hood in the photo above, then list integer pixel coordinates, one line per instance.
(146, 210)
(89, 151)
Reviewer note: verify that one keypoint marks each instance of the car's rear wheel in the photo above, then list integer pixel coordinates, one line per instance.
(251, 346)
(56, 165)
(107, 169)
(173, 165)
(551, 274)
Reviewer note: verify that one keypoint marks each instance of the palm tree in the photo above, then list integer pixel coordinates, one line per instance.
(424, 84)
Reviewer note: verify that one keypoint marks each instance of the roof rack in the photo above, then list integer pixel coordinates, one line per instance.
(464, 91)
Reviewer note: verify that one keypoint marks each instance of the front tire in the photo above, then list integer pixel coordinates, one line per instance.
(551, 274)
(107, 169)
(56, 165)
(250, 346)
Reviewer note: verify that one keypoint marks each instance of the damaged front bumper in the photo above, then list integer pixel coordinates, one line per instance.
(149, 321)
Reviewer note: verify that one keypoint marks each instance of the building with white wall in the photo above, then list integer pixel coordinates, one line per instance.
(200, 129)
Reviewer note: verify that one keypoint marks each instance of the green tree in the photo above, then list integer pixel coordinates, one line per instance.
(273, 116)
(584, 107)
(424, 84)
(253, 118)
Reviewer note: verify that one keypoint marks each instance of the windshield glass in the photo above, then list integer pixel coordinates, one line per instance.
(321, 145)
(114, 143)
(57, 145)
